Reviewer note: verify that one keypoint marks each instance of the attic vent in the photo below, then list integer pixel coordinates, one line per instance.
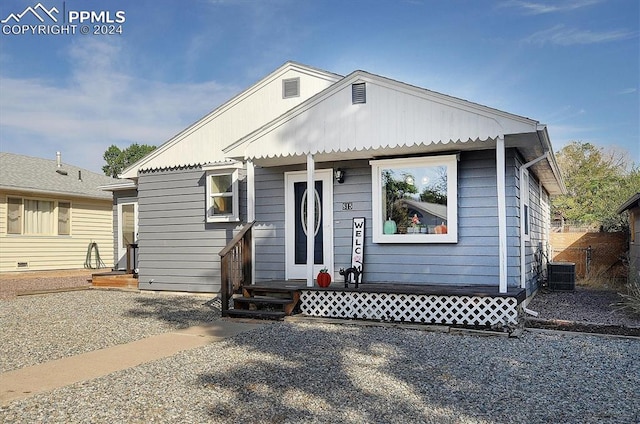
(290, 88)
(358, 93)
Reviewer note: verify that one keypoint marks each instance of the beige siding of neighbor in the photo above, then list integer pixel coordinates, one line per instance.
(91, 221)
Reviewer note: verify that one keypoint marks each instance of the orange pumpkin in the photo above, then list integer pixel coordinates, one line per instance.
(441, 229)
(323, 279)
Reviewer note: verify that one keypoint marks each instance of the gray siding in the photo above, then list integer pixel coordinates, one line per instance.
(539, 204)
(178, 249)
(473, 260)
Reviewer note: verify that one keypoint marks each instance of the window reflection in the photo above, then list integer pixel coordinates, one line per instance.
(414, 200)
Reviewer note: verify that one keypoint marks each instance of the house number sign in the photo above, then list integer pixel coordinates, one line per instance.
(347, 206)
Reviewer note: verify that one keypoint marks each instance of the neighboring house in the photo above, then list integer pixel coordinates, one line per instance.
(50, 213)
(633, 206)
(466, 186)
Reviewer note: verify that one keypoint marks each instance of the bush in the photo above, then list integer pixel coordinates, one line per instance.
(631, 299)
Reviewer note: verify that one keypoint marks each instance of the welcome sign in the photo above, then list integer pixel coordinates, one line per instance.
(357, 244)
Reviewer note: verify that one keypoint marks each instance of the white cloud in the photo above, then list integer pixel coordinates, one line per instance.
(630, 90)
(562, 36)
(98, 105)
(538, 8)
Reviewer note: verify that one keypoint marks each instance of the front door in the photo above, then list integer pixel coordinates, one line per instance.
(296, 223)
(127, 230)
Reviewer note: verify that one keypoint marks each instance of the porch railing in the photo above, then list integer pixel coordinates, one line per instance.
(132, 262)
(235, 265)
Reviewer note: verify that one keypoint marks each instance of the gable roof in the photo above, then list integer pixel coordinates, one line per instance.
(44, 177)
(201, 142)
(397, 119)
(396, 115)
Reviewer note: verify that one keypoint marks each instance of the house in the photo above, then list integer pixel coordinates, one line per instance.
(633, 207)
(453, 198)
(51, 213)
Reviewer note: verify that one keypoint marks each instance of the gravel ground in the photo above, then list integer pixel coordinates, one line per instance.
(42, 328)
(585, 304)
(321, 373)
(315, 373)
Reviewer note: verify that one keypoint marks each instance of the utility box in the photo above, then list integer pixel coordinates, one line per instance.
(562, 276)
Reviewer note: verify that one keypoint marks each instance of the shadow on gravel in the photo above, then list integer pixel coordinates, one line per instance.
(179, 311)
(308, 373)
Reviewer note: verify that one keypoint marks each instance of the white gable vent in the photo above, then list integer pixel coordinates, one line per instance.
(358, 93)
(290, 88)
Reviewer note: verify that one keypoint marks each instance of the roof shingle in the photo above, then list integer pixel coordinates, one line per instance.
(25, 173)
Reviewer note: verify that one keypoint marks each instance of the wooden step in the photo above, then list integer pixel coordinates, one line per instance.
(262, 300)
(259, 314)
(114, 280)
(255, 290)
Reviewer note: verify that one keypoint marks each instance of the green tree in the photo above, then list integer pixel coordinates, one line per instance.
(117, 160)
(597, 183)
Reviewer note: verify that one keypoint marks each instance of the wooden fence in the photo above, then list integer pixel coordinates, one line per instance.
(593, 253)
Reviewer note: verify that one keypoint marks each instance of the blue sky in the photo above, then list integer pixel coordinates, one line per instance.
(573, 64)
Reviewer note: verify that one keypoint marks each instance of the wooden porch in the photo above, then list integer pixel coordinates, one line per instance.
(391, 301)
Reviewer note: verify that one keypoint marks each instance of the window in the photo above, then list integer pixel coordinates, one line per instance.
(64, 218)
(14, 209)
(415, 200)
(38, 217)
(222, 195)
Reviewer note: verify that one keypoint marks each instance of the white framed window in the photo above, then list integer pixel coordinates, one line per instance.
(415, 200)
(27, 216)
(222, 193)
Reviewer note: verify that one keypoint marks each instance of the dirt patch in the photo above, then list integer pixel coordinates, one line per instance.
(587, 309)
(583, 327)
(13, 284)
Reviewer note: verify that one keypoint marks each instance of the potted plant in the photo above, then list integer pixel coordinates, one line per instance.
(324, 278)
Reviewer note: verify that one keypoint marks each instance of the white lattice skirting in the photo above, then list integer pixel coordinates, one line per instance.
(428, 309)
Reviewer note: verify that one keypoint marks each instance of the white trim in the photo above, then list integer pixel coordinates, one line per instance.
(311, 218)
(293, 271)
(502, 212)
(251, 212)
(251, 192)
(122, 250)
(451, 162)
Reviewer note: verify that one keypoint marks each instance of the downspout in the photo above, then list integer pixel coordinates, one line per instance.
(311, 215)
(251, 213)
(523, 262)
(502, 212)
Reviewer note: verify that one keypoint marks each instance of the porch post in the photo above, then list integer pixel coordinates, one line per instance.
(251, 192)
(502, 212)
(311, 214)
(251, 213)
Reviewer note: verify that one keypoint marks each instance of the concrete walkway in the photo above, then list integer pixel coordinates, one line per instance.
(26, 382)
